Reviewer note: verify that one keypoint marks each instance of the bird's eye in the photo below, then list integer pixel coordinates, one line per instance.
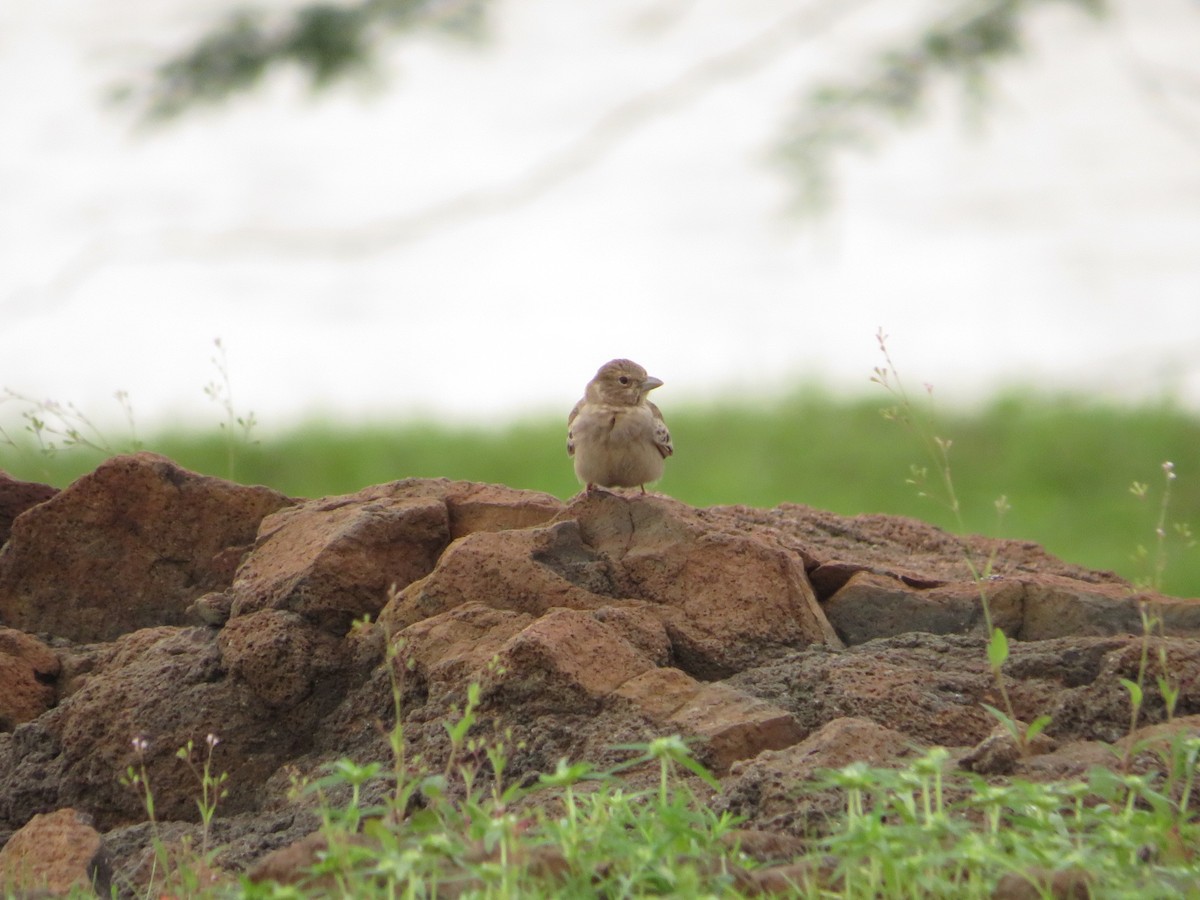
(624, 379)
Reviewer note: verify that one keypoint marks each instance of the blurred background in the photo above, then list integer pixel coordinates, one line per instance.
(325, 245)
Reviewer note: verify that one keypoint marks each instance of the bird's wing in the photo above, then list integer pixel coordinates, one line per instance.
(570, 431)
(662, 437)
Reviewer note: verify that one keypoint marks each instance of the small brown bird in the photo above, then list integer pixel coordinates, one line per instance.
(616, 435)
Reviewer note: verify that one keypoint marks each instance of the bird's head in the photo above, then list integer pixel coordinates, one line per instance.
(621, 382)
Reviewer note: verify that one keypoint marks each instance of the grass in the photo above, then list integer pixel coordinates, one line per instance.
(1065, 464)
(918, 831)
(922, 830)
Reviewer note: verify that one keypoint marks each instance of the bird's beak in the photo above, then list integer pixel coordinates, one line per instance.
(650, 384)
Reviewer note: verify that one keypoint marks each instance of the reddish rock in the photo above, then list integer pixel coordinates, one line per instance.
(1061, 607)
(126, 547)
(1000, 752)
(16, 497)
(495, 507)
(916, 553)
(449, 650)
(471, 506)
(639, 623)
(566, 660)
(872, 606)
(528, 571)
(57, 853)
(170, 686)
(733, 725)
(1038, 883)
(935, 685)
(725, 600)
(773, 789)
(28, 675)
(613, 620)
(293, 864)
(1031, 607)
(334, 560)
(729, 598)
(279, 656)
(660, 693)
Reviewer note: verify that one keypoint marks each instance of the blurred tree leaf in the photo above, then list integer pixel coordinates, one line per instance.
(327, 41)
(964, 46)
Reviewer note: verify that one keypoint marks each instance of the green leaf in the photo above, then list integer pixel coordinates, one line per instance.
(696, 768)
(1135, 691)
(997, 649)
(1003, 718)
(1036, 727)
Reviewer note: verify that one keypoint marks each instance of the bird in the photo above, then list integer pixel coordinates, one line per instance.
(616, 436)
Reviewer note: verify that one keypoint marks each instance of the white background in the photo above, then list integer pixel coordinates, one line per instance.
(1056, 245)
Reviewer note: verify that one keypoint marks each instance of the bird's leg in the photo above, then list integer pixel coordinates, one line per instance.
(643, 487)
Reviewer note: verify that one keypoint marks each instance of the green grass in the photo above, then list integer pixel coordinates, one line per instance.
(924, 830)
(1065, 464)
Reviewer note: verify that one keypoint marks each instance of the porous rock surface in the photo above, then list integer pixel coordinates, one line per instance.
(145, 601)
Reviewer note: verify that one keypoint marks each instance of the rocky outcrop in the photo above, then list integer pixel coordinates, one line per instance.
(55, 853)
(128, 546)
(17, 496)
(148, 602)
(29, 671)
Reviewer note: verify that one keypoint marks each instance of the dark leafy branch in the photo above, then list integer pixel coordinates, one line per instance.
(963, 47)
(327, 41)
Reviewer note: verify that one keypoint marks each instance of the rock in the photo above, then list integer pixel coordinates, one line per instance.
(170, 686)
(16, 497)
(1070, 759)
(523, 571)
(724, 599)
(55, 852)
(798, 879)
(915, 553)
(235, 844)
(31, 772)
(448, 650)
(999, 752)
(729, 599)
(638, 623)
(336, 559)
(733, 725)
(564, 661)
(764, 846)
(660, 693)
(279, 656)
(1030, 608)
(293, 864)
(28, 674)
(612, 620)
(773, 791)
(1160, 739)
(935, 685)
(128, 546)
(1099, 709)
(333, 561)
(495, 507)
(873, 606)
(1037, 883)
(1060, 607)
